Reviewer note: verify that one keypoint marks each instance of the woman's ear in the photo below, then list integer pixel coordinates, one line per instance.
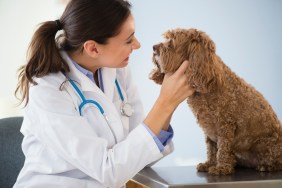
(90, 47)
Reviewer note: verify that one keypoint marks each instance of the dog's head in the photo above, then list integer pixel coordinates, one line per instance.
(204, 70)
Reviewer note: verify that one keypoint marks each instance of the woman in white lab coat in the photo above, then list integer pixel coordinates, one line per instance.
(83, 119)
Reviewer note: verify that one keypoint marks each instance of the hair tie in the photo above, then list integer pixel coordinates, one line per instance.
(59, 25)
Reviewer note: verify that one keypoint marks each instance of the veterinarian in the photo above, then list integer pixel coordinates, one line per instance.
(83, 119)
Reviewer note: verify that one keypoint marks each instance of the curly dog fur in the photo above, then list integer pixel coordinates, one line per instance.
(240, 126)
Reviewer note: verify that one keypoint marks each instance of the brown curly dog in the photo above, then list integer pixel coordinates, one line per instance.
(240, 126)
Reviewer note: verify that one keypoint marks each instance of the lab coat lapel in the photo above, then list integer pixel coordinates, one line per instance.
(84, 83)
(108, 77)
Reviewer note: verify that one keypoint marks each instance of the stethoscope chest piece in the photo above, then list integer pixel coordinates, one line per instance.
(126, 109)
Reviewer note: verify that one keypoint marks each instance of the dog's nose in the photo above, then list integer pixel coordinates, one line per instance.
(156, 48)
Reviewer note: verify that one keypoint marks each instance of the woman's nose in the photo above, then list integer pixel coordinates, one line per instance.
(136, 44)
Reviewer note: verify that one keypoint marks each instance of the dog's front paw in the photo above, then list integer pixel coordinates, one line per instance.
(203, 167)
(221, 170)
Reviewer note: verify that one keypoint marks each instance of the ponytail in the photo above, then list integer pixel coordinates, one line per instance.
(43, 57)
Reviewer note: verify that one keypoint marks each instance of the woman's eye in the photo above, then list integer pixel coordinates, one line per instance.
(129, 41)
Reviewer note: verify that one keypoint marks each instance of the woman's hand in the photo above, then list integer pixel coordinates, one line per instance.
(175, 87)
(174, 90)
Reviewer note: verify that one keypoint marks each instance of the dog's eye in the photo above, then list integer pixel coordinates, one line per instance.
(169, 44)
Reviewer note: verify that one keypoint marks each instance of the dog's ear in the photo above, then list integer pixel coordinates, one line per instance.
(204, 70)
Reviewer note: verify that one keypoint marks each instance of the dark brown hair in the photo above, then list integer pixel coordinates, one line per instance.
(82, 20)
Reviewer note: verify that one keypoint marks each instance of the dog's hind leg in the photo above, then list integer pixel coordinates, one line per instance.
(211, 156)
(269, 154)
(277, 149)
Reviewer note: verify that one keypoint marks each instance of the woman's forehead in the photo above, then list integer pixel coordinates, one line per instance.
(127, 28)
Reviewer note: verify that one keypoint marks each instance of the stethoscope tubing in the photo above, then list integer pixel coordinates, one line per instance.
(119, 91)
(85, 101)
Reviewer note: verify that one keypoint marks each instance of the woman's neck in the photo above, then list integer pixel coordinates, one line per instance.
(84, 61)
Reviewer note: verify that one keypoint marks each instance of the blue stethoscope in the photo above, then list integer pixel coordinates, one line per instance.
(125, 109)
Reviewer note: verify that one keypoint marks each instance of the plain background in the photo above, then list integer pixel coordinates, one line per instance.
(247, 34)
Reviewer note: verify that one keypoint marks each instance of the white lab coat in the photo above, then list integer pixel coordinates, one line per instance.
(64, 149)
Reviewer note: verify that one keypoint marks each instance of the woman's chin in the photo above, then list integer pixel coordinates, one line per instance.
(125, 62)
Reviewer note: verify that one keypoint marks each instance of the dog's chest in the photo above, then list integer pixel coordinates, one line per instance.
(207, 114)
(207, 122)
(205, 109)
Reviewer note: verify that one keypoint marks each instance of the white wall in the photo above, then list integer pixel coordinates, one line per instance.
(19, 19)
(247, 33)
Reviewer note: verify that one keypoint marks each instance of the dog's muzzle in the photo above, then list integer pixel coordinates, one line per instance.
(156, 61)
(156, 58)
